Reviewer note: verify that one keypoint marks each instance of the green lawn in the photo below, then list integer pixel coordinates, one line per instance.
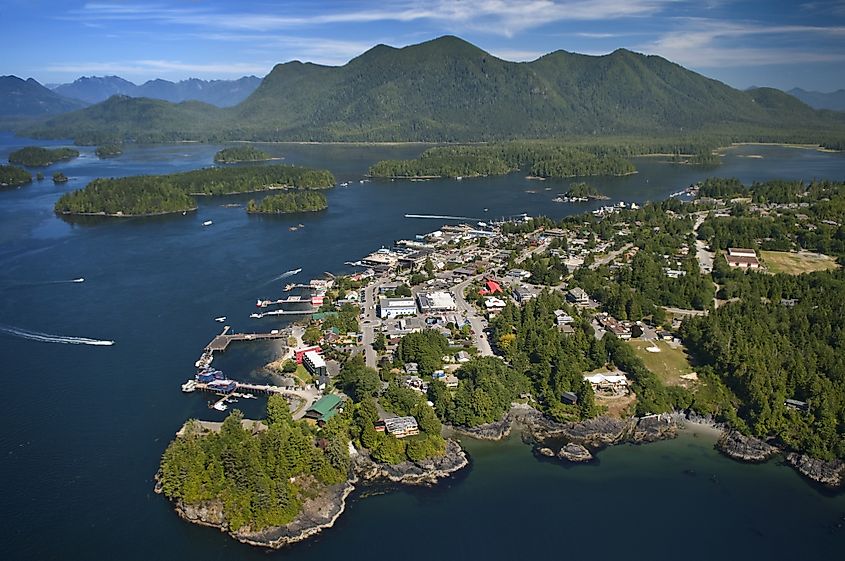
(302, 374)
(669, 364)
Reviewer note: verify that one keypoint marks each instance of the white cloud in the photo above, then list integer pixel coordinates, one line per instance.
(146, 67)
(706, 43)
(502, 17)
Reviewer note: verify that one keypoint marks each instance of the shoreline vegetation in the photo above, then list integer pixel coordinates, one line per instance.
(165, 194)
(290, 202)
(239, 154)
(108, 151)
(35, 156)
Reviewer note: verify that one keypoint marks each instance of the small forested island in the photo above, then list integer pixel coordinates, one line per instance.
(240, 154)
(13, 176)
(706, 158)
(292, 201)
(59, 177)
(582, 190)
(109, 150)
(541, 159)
(162, 194)
(35, 156)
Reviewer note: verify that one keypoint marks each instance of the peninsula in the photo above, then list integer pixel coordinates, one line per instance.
(108, 150)
(163, 194)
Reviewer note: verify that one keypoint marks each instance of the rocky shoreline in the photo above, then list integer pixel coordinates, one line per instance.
(322, 511)
(737, 446)
(829, 473)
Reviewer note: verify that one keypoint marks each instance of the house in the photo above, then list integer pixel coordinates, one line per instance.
(740, 258)
(462, 357)
(490, 287)
(797, 405)
(493, 304)
(518, 274)
(400, 427)
(608, 384)
(566, 329)
(438, 301)
(411, 368)
(415, 383)
(451, 381)
(390, 308)
(578, 295)
(523, 294)
(569, 398)
(324, 409)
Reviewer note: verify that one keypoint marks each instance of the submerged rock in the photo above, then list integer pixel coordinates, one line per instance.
(830, 473)
(575, 453)
(746, 448)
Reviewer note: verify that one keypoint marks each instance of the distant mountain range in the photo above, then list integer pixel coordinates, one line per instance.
(222, 93)
(818, 100)
(28, 98)
(450, 90)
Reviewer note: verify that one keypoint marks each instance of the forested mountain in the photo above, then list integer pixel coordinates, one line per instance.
(450, 90)
(821, 100)
(222, 93)
(28, 98)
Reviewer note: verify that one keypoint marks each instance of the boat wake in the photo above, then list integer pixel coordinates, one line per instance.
(47, 338)
(439, 217)
(284, 275)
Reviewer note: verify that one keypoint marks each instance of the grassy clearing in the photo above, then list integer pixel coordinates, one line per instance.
(669, 364)
(797, 263)
(302, 375)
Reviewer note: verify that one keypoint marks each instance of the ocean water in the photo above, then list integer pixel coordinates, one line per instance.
(84, 425)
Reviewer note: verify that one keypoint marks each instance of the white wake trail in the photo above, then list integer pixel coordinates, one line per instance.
(48, 338)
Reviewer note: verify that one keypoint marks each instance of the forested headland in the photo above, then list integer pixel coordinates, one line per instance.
(35, 156)
(240, 154)
(158, 194)
(284, 203)
(13, 176)
(108, 150)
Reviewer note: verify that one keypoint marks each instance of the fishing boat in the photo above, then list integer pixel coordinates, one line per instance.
(293, 228)
(221, 319)
(207, 223)
(220, 406)
(80, 279)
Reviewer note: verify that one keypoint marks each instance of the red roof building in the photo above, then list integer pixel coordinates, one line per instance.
(490, 287)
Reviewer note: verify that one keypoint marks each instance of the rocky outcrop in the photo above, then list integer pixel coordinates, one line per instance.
(426, 472)
(830, 473)
(498, 430)
(653, 428)
(745, 448)
(317, 514)
(575, 453)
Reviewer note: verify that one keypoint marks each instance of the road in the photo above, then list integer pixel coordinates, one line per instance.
(369, 320)
(611, 256)
(705, 258)
(477, 323)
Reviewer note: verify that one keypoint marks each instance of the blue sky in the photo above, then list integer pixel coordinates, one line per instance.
(743, 43)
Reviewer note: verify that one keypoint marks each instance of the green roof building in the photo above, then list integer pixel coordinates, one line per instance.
(324, 408)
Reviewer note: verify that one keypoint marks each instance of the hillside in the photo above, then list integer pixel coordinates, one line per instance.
(450, 90)
(834, 101)
(28, 98)
(222, 93)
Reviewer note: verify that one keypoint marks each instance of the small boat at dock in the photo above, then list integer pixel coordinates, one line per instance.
(220, 406)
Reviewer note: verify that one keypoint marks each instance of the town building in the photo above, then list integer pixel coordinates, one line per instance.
(740, 258)
(299, 353)
(578, 295)
(324, 409)
(523, 294)
(438, 301)
(390, 308)
(518, 274)
(316, 366)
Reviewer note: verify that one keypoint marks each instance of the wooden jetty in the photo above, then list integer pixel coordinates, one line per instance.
(221, 342)
(284, 313)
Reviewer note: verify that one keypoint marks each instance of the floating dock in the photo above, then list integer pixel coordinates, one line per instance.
(221, 342)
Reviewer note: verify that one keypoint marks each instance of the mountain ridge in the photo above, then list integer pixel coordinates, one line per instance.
(448, 90)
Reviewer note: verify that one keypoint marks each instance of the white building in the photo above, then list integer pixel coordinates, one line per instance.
(390, 308)
(439, 301)
(742, 258)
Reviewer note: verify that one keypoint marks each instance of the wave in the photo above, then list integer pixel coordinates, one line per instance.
(28, 284)
(48, 338)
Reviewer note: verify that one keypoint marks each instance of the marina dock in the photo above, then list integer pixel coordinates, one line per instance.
(221, 342)
(284, 313)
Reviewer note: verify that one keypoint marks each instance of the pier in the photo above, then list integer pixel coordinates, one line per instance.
(221, 342)
(284, 313)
